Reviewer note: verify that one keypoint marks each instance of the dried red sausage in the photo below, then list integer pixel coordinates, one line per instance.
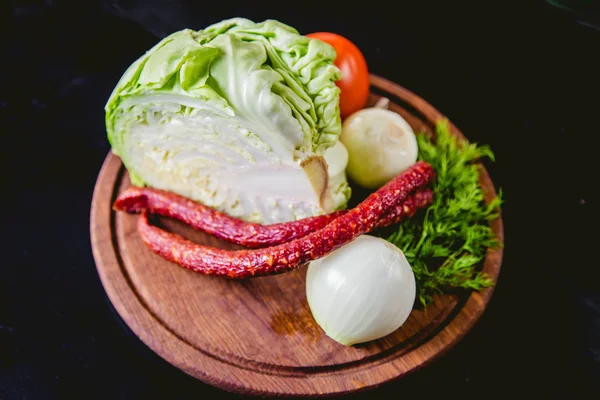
(287, 256)
(406, 209)
(216, 223)
(234, 230)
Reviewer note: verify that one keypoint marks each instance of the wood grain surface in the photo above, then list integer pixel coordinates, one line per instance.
(258, 336)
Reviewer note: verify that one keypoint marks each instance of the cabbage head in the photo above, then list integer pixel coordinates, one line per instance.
(238, 116)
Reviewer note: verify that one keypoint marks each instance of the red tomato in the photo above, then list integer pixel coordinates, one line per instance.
(354, 84)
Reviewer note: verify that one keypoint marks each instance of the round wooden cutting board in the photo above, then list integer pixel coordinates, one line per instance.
(258, 336)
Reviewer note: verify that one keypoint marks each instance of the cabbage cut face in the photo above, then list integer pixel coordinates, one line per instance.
(237, 116)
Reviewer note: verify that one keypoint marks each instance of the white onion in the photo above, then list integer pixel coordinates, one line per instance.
(380, 143)
(362, 291)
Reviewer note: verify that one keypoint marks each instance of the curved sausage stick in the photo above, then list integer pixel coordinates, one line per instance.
(234, 230)
(406, 209)
(285, 257)
(217, 223)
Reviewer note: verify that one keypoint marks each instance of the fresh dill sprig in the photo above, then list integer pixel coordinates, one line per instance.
(446, 244)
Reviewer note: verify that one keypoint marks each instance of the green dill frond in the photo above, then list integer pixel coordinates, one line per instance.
(446, 245)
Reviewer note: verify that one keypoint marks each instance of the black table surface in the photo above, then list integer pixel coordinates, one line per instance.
(523, 77)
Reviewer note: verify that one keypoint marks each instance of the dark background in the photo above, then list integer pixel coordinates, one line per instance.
(523, 77)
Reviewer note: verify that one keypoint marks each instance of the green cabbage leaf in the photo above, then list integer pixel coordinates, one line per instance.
(233, 116)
